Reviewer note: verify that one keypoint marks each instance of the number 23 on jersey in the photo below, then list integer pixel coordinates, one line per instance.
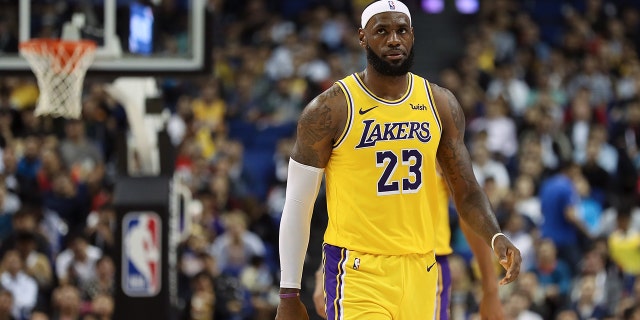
(409, 160)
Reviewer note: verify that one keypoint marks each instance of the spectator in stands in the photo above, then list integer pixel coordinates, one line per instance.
(625, 203)
(530, 285)
(592, 77)
(30, 162)
(181, 122)
(581, 119)
(71, 201)
(508, 86)
(500, 129)
(530, 161)
(203, 303)
(257, 278)
(517, 307)
(462, 301)
(209, 112)
(52, 165)
(554, 274)
(244, 99)
(102, 283)
(598, 178)
(66, 303)
(232, 299)
(81, 155)
(559, 201)
(607, 156)
(626, 131)
(24, 187)
(586, 305)
(100, 228)
(543, 90)
(235, 247)
(485, 167)
(102, 307)
(283, 104)
(36, 264)
(555, 145)
(608, 282)
(624, 244)
(26, 221)
(589, 210)
(6, 305)
(525, 200)
(567, 314)
(9, 204)
(223, 197)
(77, 263)
(23, 288)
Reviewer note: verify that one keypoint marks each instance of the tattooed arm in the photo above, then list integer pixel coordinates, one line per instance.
(320, 124)
(470, 200)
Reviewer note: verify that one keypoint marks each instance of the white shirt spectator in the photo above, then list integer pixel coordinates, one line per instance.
(84, 270)
(531, 209)
(24, 290)
(252, 245)
(484, 167)
(280, 63)
(514, 90)
(492, 169)
(501, 134)
(234, 248)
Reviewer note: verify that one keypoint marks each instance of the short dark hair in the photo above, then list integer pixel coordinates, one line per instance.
(25, 236)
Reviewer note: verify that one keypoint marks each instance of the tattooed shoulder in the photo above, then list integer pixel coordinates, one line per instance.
(452, 105)
(319, 125)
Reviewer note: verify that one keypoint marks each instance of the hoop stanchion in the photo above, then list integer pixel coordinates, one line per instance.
(60, 67)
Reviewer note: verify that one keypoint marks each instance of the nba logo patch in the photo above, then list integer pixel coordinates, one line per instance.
(141, 254)
(392, 5)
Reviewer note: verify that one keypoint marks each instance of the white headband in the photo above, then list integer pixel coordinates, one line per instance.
(384, 6)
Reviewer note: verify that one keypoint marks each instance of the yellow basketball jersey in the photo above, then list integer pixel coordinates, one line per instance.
(381, 177)
(441, 218)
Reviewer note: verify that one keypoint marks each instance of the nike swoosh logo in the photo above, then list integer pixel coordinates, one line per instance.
(431, 266)
(366, 110)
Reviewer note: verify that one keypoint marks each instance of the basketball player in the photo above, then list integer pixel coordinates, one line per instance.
(377, 136)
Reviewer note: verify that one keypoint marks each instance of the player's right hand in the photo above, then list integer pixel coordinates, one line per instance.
(318, 296)
(291, 309)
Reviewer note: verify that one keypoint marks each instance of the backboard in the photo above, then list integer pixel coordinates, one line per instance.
(145, 37)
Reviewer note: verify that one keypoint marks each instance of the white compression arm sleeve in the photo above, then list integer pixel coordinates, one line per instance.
(303, 184)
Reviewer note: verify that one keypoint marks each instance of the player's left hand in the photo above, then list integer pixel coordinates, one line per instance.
(509, 257)
(490, 307)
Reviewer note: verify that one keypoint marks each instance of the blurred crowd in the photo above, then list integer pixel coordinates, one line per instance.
(551, 94)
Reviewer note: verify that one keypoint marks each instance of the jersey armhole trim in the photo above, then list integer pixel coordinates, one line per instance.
(432, 103)
(347, 126)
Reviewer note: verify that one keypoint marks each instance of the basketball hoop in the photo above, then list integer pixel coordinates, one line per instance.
(60, 67)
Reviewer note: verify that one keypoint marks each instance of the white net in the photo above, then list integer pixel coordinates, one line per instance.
(60, 67)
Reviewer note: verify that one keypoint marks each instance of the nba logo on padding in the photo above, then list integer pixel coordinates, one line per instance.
(141, 254)
(392, 5)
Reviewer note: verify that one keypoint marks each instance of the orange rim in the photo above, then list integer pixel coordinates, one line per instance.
(61, 50)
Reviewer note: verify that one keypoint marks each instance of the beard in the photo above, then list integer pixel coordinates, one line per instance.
(387, 69)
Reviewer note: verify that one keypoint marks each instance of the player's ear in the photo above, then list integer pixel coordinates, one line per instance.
(362, 37)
